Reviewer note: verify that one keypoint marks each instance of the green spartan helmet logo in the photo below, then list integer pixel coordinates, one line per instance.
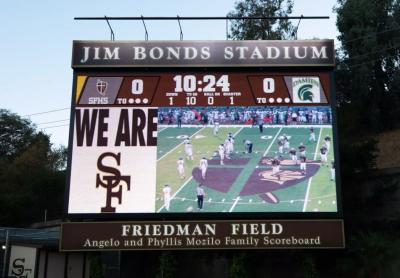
(304, 93)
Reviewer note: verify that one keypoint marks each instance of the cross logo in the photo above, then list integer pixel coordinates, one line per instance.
(101, 87)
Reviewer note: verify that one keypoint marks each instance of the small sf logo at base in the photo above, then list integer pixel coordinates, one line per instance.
(111, 180)
(18, 268)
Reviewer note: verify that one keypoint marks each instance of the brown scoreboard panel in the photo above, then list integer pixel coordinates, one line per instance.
(204, 89)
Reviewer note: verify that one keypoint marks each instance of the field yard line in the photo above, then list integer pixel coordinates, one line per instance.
(177, 146)
(234, 204)
(266, 151)
(180, 188)
(237, 132)
(310, 180)
(270, 145)
(164, 128)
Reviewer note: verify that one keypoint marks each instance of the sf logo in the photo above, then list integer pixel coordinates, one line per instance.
(111, 180)
(18, 268)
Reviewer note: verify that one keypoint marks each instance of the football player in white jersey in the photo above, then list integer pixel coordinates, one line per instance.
(203, 167)
(216, 129)
(189, 150)
(167, 196)
(228, 144)
(181, 167)
(221, 152)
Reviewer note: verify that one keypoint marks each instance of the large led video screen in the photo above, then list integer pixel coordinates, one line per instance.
(202, 142)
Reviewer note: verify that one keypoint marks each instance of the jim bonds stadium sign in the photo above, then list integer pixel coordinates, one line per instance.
(202, 235)
(203, 53)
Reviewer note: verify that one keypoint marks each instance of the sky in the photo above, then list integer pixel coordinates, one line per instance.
(36, 44)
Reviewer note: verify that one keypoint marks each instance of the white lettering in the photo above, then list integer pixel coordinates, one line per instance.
(254, 229)
(139, 53)
(228, 53)
(85, 54)
(184, 231)
(286, 50)
(317, 54)
(108, 55)
(154, 51)
(210, 229)
(242, 50)
(277, 228)
(256, 52)
(96, 53)
(235, 228)
(197, 231)
(190, 53)
(205, 53)
(125, 230)
(136, 230)
(270, 54)
(297, 54)
(157, 230)
(173, 51)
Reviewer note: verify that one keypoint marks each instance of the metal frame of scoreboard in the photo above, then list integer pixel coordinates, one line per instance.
(133, 58)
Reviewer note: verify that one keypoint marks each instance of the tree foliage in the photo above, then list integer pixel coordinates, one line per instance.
(238, 266)
(368, 98)
(32, 175)
(167, 265)
(369, 74)
(276, 29)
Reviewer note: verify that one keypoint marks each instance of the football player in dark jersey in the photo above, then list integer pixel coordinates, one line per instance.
(302, 149)
(293, 155)
(327, 140)
(303, 165)
(280, 146)
(324, 154)
(312, 135)
(286, 144)
(276, 167)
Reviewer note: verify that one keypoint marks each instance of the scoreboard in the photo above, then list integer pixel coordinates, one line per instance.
(208, 89)
(178, 140)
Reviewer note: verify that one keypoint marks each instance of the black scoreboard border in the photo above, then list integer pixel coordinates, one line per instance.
(204, 215)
